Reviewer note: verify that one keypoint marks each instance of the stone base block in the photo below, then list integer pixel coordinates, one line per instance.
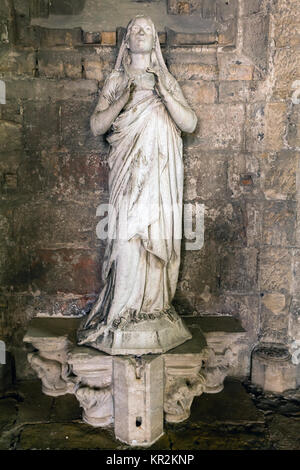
(138, 397)
(153, 336)
(272, 369)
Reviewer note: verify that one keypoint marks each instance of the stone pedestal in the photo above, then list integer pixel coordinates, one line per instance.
(138, 397)
(135, 392)
(149, 336)
(273, 370)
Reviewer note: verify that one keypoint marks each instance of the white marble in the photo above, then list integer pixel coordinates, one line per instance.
(143, 106)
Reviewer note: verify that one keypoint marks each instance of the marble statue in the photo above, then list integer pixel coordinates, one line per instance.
(143, 107)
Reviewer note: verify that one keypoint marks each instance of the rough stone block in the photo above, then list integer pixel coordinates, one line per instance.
(39, 8)
(66, 270)
(59, 64)
(225, 223)
(193, 71)
(232, 67)
(227, 33)
(226, 9)
(275, 302)
(198, 286)
(234, 91)
(245, 307)
(199, 92)
(60, 37)
(10, 136)
(75, 125)
(202, 179)
(108, 38)
(220, 126)
(43, 89)
(286, 25)
(251, 7)
(183, 39)
(19, 62)
(255, 39)
(239, 270)
(56, 224)
(278, 175)
(266, 126)
(279, 223)
(275, 269)
(41, 133)
(138, 395)
(286, 64)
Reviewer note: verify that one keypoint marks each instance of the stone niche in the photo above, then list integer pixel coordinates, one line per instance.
(136, 393)
(179, 22)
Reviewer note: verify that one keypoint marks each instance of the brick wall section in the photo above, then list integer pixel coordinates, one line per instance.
(241, 162)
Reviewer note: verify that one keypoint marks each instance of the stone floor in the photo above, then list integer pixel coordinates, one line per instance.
(239, 418)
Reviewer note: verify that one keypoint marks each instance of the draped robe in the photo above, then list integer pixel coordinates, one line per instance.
(142, 257)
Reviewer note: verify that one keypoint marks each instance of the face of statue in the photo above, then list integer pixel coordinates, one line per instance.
(141, 36)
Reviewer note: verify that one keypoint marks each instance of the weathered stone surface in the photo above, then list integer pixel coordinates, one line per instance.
(10, 136)
(255, 39)
(60, 37)
(194, 71)
(202, 180)
(279, 219)
(78, 270)
(275, 269)
(275, 302)
(40, 134)
(221, 126)
(239, 270)
(13, 62)
(59, 64)
(199, 92)
(108, 38)
(234, 91)
(266, 126)
(278, 174)
(232, 68)
(45, 89)
(287, 67)
(48, 221)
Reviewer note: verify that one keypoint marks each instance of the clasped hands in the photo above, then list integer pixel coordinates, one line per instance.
(160, 84)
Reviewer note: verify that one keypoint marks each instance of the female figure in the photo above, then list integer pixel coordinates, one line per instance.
(146, 109)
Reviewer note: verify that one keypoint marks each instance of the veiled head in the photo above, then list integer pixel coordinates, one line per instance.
(140, 35)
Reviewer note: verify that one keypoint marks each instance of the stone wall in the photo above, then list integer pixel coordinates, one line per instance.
(241, 76)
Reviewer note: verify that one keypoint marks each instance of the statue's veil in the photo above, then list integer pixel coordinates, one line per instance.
(157, 59)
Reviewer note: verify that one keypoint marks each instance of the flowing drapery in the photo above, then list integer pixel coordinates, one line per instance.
(146, 183)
